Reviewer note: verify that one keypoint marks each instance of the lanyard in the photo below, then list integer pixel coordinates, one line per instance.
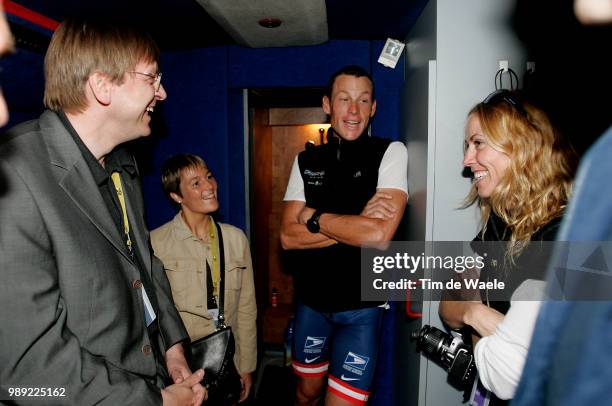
(149, 312)
(126, 225)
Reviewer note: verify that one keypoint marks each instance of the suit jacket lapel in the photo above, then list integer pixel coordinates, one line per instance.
(77, 182)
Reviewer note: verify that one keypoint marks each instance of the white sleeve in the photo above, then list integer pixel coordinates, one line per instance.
(393, 169)
(501, 356)
(295, 186)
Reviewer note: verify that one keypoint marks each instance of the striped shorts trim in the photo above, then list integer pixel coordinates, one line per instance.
(346, 391)
(310, 370)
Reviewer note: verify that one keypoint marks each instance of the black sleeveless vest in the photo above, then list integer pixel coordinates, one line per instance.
(339, 177)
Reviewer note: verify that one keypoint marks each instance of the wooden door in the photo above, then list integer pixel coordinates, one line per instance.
(279, 134)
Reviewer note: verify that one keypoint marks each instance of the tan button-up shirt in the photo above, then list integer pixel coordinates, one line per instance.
(184, 257)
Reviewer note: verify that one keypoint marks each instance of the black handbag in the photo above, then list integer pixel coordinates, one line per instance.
(215, 352)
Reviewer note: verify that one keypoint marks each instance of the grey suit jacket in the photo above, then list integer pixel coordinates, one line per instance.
(71, 310)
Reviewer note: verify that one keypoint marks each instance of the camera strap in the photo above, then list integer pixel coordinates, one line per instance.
(480, 395)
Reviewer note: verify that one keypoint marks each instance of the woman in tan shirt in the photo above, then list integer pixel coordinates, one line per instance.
(187, 244)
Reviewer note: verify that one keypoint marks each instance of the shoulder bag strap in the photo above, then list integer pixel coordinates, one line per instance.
(221, 276)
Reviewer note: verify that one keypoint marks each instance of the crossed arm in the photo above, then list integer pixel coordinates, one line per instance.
(376, 223)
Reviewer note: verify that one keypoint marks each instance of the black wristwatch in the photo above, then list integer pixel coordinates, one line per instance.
(313, 222)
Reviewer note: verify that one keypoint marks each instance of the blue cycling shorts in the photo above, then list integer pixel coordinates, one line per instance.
(343, 345)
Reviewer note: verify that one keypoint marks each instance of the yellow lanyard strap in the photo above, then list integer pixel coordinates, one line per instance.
(149, 312)
(126, 225)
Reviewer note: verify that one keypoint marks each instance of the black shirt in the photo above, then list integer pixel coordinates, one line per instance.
(118, 160)
(530, 264)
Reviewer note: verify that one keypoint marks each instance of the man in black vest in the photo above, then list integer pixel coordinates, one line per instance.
(348, 193)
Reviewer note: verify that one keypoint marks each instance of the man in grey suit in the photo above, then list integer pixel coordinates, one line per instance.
(86, 313)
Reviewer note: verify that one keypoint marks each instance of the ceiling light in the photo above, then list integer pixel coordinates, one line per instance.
(270, 22)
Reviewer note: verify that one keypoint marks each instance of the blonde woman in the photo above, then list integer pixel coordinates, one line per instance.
(521, 182)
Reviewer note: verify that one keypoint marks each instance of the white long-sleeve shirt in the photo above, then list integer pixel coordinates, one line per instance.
(501, 356)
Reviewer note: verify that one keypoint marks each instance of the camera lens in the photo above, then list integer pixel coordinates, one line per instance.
(432, 340)
(449, 351)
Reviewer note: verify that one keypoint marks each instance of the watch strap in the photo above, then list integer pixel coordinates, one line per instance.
(313, 222)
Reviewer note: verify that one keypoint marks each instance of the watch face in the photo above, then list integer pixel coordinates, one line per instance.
(312, 225)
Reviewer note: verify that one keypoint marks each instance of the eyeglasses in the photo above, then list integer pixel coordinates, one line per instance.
(505, 95)
(156, 78)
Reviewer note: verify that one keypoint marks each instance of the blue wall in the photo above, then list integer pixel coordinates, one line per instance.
(204, 110)
(23, 85)
(193, 119)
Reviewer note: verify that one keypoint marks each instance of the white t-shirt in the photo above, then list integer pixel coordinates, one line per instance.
(392, 173)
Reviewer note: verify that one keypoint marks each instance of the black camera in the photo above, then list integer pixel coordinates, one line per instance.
(456, 356)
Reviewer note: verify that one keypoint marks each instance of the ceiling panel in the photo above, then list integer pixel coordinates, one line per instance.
(181, 24)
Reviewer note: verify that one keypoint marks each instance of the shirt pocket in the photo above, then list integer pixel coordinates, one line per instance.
(186, 277)
(233, 274)
(233, 284)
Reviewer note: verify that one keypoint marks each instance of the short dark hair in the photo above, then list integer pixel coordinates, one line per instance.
(350, 70)
(171, 172)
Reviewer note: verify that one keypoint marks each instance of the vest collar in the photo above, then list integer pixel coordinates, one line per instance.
(344, 147)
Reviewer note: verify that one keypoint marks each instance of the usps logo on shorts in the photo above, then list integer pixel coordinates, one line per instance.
(356, 361)
(314, 343)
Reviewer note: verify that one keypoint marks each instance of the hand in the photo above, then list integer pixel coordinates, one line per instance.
(179, 370)
(379, 207)
(247, 382)
(188, 392)
(177, 364)
(305, 214)
(200, 392)
(482, 318)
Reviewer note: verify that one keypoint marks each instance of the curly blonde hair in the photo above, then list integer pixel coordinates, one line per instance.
(537, 185)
